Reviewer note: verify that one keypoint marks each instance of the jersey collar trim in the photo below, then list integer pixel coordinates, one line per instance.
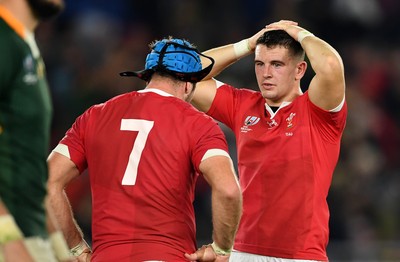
(272, 113)
(154, 90)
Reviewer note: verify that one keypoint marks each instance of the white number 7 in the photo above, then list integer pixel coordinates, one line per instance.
(143, 127)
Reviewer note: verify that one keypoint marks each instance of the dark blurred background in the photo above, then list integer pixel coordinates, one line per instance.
(93, 40)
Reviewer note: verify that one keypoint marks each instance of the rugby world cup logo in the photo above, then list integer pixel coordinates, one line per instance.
(251, 120)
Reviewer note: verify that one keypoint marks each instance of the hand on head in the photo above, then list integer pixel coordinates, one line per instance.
(281, 25)
(290, 27)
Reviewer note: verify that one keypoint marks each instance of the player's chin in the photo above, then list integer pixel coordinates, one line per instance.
(268, 94)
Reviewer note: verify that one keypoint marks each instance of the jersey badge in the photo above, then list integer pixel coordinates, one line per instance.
(30, 77)
(249, 121)
(289, 120)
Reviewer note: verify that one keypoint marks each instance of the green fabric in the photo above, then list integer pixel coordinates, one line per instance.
(25, 116)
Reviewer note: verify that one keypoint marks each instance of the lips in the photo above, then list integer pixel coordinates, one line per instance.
(267, 86)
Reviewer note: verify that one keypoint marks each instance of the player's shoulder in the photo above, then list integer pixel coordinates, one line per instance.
(116, 100)
(199, 118)
(187, 112)
(4, 27)
(8, 32)
(8, 38)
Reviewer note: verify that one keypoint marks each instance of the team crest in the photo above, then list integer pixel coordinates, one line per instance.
(30, 77)
(289, 120)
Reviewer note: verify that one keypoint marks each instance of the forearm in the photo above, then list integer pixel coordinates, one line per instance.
(62, 212)
(224, 56)
(56, 236)
(327, 88)
(227, 210)
(324, 59)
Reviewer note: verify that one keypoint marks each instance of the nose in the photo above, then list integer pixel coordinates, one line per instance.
(267, 71)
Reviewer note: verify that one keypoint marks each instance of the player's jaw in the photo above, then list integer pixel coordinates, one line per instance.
(275, 93)
(45, 9)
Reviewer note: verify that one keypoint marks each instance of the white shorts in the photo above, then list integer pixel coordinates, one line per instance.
(237, 256)
(39, 249)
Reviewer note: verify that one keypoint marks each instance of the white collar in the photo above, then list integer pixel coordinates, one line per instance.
(272, 113)
(155, 90)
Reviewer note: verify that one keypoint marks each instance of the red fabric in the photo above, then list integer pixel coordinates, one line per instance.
(154, 218)
(285, 165)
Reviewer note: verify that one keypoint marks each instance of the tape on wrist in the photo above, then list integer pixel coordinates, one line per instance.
(60, 246)
(81, 248)
(241, 48)
(9, 230)
(303, 34)
(219, 251)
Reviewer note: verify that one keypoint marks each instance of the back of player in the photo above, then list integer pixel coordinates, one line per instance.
(143, 206)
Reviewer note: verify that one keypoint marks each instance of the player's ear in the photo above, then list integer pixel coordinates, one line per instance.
(188, 87)
(300, 70)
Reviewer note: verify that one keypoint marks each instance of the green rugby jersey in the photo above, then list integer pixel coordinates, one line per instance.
(25, 116)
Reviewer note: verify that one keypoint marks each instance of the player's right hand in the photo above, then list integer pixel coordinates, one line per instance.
(85, 257)
(206, 254)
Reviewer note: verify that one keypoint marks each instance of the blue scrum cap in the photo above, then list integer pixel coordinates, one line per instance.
(176, 57)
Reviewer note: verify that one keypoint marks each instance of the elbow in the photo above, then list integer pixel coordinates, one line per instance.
(235, 194)
(52, 195)
(232, 194)
(54, 188)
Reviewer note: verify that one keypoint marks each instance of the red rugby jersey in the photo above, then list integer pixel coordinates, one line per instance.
(285, 162)
(142, 151)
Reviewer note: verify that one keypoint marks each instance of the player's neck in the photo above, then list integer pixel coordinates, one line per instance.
(167, 87)
(289, 97)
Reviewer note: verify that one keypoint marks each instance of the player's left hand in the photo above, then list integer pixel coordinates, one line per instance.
(290, 27)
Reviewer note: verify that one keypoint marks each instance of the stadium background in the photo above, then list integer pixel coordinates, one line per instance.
(93, 40)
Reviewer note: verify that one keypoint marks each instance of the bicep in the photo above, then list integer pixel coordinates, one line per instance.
(218, 171)
(327, 88)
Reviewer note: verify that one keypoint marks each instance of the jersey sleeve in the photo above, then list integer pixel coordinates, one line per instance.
(74, 141)
(224, 106)
(209, 141)
(331, 124)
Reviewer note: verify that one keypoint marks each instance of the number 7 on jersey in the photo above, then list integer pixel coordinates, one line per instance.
(143, 127)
